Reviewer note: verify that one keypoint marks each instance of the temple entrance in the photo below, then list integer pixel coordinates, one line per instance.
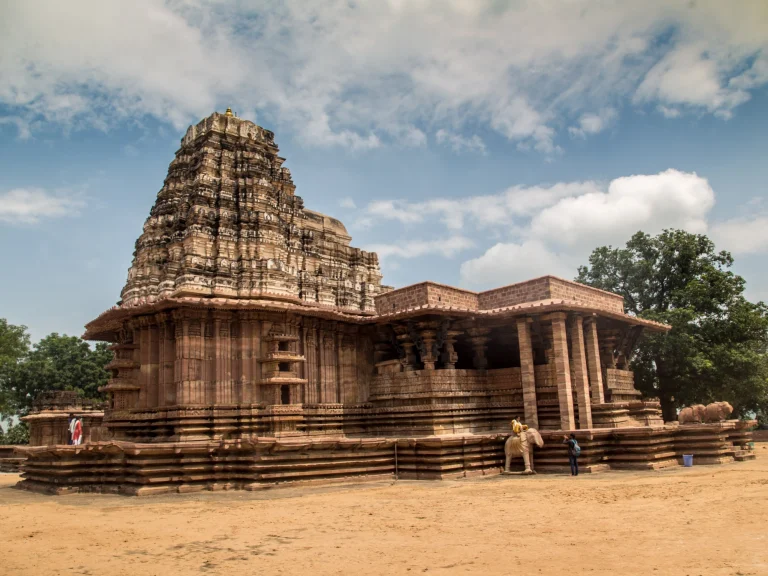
(285, 394)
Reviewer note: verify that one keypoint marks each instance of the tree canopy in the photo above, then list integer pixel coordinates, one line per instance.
(716, 349)
(14, 345)
(57, 362)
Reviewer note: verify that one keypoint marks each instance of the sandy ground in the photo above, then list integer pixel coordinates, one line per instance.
(696, 521)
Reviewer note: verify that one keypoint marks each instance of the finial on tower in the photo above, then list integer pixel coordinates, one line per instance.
(228, 112)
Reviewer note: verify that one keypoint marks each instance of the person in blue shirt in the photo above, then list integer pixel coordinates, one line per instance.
(573, 453)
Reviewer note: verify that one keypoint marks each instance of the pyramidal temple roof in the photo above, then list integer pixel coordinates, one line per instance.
(227, 224)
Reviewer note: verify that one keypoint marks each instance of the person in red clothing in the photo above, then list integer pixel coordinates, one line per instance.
(77, 435)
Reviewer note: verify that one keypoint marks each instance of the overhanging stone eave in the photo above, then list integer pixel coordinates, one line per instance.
(539, 307)
(107, 324)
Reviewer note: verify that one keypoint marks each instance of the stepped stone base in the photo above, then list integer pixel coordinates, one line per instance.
(9, 460)
(151, 468)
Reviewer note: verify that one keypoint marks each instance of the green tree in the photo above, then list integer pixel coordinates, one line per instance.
(16, 434)
(716, 349)
(56, 363)
(14, 345)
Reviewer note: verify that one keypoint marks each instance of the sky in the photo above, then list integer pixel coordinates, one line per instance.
(470, 142)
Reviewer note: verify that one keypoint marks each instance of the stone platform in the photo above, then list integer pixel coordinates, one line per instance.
(140, 469)
(9, 460)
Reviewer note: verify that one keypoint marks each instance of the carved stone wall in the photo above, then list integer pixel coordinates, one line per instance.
(421, 387)
(620, 385)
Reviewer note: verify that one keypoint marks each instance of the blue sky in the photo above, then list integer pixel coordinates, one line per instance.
(471, 143)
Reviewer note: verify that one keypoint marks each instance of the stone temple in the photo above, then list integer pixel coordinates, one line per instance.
(254, 345)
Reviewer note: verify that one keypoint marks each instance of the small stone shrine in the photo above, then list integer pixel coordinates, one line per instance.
(254, 345)
(49, 419)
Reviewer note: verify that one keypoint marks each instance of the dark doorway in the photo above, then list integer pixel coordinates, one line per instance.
(285, 394)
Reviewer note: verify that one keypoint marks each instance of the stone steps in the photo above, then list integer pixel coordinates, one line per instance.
(744, 455)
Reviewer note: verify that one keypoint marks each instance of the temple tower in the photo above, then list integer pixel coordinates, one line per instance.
(227, 223)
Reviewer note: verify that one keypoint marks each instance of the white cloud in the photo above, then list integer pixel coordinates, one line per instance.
(347, 203)
(745, 235)
(688, 76)
(393, 210)
(491, 210)
(362, 74)
(560, 233)
(506, 263)
(446, 247)
(30, 205)
(670, 199)
(593, 123)
(552, 229)
(668, 112)
(459, 143)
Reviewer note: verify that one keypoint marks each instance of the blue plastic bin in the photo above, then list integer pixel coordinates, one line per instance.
(687, 460)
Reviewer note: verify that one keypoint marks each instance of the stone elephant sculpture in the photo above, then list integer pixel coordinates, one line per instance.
(692, 414)
(522, 445)
(718, 412)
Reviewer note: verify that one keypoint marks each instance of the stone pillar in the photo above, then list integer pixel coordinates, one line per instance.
(312, 393)
(592, 346)
(347, 371)
(527, 375)
(450, 357)
(328, 368)
(169, 362)
(250, 394)
(224, 390)
(141, 335)
(199, 358)
(181, 368)
(208, 339)
(580, 374)
(409, 364)
(478, 337)
(339, 396)
(562, 370)
(153, 393)
(428, 333)
(161, 319)
(244, 347)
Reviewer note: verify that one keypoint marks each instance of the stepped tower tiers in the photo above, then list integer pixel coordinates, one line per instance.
(227, 224)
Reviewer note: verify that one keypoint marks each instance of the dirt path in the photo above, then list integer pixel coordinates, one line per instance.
(702, 520)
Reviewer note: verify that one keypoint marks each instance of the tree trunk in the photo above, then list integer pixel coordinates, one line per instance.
(666, 394)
